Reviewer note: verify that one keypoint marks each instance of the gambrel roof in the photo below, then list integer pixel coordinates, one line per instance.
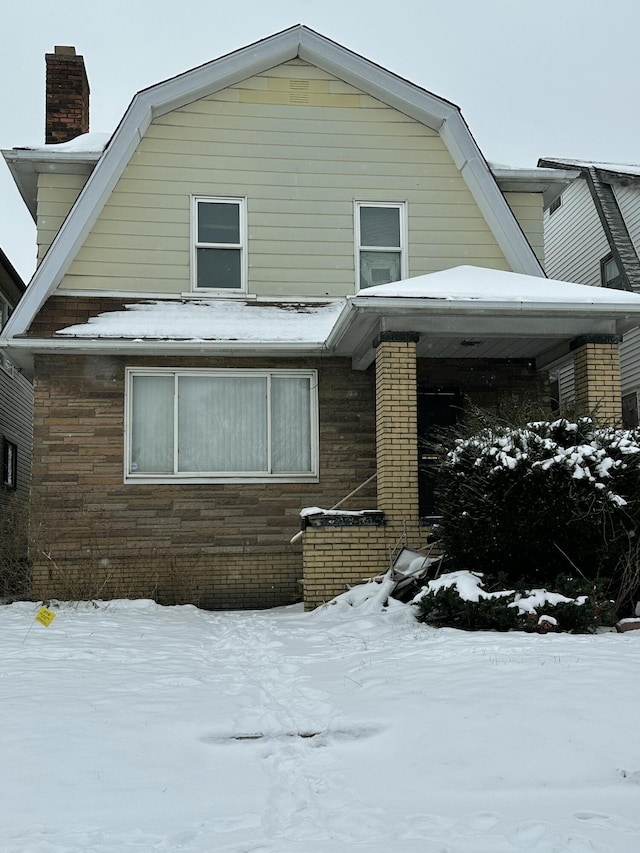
(297, 42)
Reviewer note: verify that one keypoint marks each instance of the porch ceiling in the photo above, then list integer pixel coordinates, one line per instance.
(470, 312)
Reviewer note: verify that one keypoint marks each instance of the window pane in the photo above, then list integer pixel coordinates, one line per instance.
(222, 423)
(379, 268)
(152, 424)
(218, 222)
(219, 268)
(380, 226)
(290, 424)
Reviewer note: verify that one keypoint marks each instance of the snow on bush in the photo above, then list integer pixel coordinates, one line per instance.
(459, 599)
(543, 499)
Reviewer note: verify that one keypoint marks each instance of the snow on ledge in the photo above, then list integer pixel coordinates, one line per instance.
(86, 143)
(316, 510)
(214, 320)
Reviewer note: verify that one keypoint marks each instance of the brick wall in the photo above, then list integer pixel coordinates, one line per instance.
(597, 381)
(336, 558)
(397, 437)
(67, 96)
(233, 538)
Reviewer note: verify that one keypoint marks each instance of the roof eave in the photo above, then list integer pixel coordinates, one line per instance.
(25, 164)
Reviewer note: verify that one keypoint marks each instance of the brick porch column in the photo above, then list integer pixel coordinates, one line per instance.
(596, 361)
(397, 433)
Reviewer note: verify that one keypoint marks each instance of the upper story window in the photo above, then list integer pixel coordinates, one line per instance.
(230, 425)
(219, 244)
(609, 273)
(381, 242)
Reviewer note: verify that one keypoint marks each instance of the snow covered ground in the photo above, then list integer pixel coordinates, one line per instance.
(132, 727)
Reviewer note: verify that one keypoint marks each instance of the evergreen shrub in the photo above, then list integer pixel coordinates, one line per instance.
(548, 498)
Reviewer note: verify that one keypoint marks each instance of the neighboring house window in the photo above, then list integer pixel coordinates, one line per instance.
(219, 244)
(556, 204)
(9, 464)
(381, 254)
(221, 425)
(609, 273)
(4, 311)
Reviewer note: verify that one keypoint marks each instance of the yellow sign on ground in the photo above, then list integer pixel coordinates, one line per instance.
(45, 616)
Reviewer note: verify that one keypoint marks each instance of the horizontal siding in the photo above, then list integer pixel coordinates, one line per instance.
(16, 425)
(628, 199)
(300, 167)
(528, 210)
(630, 361)
(575, 241)
(566, 384)
(56, 196)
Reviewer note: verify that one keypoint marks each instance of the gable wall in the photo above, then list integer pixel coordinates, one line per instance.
(300, 165)
(575, 241)
(57, 194)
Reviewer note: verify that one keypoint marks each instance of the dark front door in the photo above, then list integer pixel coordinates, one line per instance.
(437, 408)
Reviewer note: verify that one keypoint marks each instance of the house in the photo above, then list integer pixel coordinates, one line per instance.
(592, 236)
(16, 424)
(283, 267)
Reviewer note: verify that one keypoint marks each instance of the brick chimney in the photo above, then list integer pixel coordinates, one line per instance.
(67, 95)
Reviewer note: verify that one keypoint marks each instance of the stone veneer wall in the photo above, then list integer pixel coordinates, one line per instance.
(218, 545)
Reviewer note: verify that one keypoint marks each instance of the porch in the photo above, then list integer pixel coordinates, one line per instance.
(466, 317)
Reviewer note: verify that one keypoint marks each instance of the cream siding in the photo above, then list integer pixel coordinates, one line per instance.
(301, 146)
(527, 208)
(628, 198)
(575, 241)
(56, 196)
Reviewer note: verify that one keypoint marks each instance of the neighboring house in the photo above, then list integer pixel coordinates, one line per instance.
(592, 236)
(16, 424)
(217, 340)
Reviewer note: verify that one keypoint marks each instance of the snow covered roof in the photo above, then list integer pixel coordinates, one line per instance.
(215, 320)
(77, 156)
(480, 284)
(632, 169)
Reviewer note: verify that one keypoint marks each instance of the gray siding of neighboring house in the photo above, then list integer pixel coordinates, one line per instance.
(628, 199)
(574, 239)
(16, 426)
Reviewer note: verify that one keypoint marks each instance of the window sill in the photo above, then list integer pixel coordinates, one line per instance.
(145, 479)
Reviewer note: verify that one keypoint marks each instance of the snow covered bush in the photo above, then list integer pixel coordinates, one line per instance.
(544, 499)
(460, 600)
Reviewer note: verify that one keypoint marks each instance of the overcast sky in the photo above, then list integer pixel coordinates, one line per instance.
(533, 77)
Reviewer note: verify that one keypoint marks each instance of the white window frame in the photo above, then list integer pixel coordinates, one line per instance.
(404, 229)
(241, 202)
(222, 477)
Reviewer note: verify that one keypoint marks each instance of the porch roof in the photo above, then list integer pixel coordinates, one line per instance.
(464, 312)
(475, 312)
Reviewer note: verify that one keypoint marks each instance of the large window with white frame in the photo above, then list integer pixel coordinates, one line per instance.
(381, 242)
(219, 241)
(221, 425)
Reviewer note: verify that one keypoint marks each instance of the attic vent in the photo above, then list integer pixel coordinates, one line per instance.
(298, 91)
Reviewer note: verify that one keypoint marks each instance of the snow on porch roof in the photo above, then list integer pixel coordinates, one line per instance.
(467, 283)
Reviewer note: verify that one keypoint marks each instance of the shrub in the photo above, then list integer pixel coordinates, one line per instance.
(539, 500)
(460, 600)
